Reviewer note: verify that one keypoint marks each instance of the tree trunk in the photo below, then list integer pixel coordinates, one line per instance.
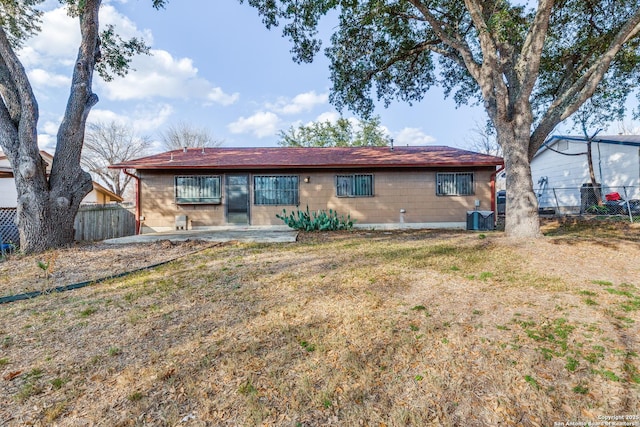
(597, 189)
(47, 204)
(45, 216)
(46, 223)
(521, 220)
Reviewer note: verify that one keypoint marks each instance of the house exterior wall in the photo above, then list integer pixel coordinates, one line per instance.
(615, 166)
(8, 193)
(412, 191)
(98, 198)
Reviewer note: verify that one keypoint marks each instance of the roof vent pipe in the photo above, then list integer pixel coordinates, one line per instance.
(184, 149)
(391, 141)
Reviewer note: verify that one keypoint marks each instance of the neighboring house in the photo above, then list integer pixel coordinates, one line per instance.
(561, 174)
(378, 186)
(8, 194)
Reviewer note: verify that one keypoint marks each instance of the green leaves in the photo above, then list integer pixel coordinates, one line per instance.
(20, 19)
(387, 50)
(342, 133)
(116, 53)
(316, 221)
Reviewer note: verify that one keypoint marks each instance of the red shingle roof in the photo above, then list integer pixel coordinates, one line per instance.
(311, 158)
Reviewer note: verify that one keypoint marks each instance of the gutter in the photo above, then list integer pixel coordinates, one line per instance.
(137, 197)
(494, 205)
(307, 166)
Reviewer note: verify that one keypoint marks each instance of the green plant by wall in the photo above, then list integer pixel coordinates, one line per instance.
(316, 221)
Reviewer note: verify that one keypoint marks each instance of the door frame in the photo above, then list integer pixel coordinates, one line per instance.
(228, 198)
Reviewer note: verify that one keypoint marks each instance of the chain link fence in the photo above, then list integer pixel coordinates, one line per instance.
(9, 235)
(590, 200)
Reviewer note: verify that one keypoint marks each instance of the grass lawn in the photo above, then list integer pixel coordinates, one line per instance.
(353, 328)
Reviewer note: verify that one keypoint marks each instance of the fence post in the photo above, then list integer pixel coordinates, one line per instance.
(626, 200)
(555, 196)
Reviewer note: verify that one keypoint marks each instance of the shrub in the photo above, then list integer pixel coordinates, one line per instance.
(316, 221)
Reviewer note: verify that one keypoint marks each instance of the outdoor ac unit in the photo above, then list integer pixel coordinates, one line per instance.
(480, 220)
(181, 222)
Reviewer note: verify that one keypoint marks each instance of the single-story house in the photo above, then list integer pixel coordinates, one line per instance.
(560, 170)
(9, 196)
(196, 188)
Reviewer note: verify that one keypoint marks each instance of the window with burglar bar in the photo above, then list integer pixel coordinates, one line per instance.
(454, 184)
(197, 189)
(354, 185)
(275, 190)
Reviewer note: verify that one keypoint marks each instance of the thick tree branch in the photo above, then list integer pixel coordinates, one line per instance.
(528, 64)
(402, 56)
(19, 101)
(456, 42)
(584, 87)
(81, 100)
(9, 93)
(494, 90)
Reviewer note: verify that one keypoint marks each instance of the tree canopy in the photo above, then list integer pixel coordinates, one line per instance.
(531, 65)
(342, 133)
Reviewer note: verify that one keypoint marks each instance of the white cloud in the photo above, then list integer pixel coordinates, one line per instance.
(58, 41)
(149, 120)
(300, 103)
(217, 95)
(124, 26)
(261, 124)
(412, 136)
(328, 116)
(51, 128)
(162, 75)
(42, 78)
(54, 51)
(144, 119)
(56, 44)
(47, 143)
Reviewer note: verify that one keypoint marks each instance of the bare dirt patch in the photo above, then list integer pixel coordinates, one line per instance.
(361, 328)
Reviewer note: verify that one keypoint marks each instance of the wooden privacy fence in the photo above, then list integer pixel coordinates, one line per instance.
(104, 222)
(92, 223)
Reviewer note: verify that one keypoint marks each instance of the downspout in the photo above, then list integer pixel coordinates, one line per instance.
(494, 206)
(137, 197)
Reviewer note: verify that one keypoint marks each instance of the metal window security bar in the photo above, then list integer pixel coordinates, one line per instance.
(198, 189)
(454, 184)
(354, 185)
(276, 190)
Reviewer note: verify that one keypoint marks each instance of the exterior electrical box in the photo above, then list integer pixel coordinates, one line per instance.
(181, 222)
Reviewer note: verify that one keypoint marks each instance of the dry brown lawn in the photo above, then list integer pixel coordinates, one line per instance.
(354, 328)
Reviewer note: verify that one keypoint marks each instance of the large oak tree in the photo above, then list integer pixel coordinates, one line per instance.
(47, 204)
(531, 64)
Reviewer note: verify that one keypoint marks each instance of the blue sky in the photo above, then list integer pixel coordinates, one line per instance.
(214, 65)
